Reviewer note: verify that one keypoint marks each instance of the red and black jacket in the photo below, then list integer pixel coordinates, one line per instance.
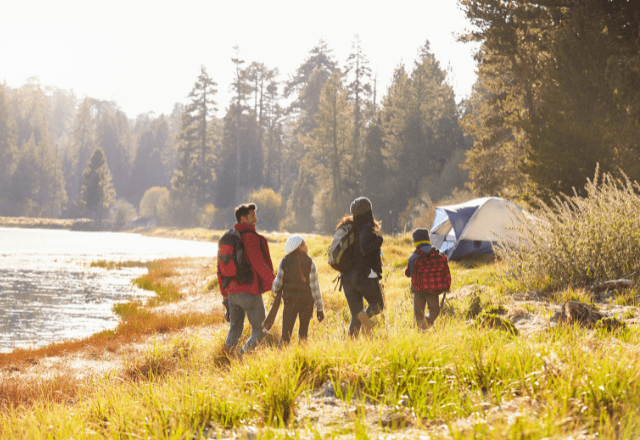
(256, 253)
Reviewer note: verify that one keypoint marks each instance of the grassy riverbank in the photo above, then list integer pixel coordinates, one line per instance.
(460, 380)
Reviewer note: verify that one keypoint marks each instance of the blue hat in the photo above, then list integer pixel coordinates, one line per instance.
(421, 236)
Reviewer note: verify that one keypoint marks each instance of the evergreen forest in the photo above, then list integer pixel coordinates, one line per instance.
(557, 94)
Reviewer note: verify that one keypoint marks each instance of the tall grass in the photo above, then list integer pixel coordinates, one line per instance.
(455, 381)
(564, 382)
(579, 241)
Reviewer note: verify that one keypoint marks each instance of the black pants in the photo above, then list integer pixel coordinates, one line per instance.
(294, 308)
(356, 290)
(429, 299)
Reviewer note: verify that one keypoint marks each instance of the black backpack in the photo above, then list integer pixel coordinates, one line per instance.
(232, 264)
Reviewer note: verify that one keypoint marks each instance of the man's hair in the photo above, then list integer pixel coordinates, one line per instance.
(244, 210)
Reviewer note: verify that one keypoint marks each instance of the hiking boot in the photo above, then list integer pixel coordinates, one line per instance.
(423, 324)
(366, 323)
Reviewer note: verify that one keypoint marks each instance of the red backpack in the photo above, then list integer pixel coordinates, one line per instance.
(430, 272)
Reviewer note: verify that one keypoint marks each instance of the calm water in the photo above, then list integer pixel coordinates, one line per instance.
(49, 293)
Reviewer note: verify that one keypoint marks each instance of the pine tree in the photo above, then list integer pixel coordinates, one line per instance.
(195, 176)
(273, 145)
(97, 192)
(421, 130)
(331, 146)
(148, 167)
(515, 39)
(359, 88)
(8, 139)
(113, 136)
(577, 125)
(77, 154)
(307, 84)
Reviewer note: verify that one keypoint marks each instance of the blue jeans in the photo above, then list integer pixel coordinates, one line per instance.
(251, 305)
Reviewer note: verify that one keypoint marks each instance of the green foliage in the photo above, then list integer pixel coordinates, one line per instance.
(491, 320)
(332, 152)
(195, 175)
(577, 111)
(97, 190)
(610, 325)
(421, 130)
(579, 241)
(121, 212)
(300, 204)
(148, 169)
(77, 154)
(474, 308)
(155, 203)
(269, 205)
(8, 139)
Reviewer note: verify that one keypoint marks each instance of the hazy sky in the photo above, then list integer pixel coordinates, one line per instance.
(146, 55)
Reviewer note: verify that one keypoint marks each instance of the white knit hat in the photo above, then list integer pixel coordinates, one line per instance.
(292, 243)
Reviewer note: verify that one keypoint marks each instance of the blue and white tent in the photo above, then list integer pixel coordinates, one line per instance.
(471, 227)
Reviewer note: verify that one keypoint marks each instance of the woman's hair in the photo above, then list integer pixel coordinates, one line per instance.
(345, 220)
(367, 217)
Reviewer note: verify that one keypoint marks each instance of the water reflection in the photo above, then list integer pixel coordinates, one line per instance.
(49, 293)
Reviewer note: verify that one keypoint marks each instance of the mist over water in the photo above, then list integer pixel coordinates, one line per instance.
(48, 292)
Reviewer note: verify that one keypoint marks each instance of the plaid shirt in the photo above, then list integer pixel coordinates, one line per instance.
(313, 283)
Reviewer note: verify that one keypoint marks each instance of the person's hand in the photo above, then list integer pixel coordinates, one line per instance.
(225, 303)
(320, 315)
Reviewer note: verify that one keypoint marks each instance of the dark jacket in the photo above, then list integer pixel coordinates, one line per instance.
(296, 280)
(368, 257)
(257, 254)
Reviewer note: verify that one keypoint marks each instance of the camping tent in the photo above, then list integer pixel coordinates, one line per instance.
(470, 227)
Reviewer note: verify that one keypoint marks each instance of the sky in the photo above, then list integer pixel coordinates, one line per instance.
(146, 55)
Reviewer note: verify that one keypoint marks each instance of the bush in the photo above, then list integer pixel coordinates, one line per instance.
(155, 203)
(578, 241)
(121, 212)
(269, 207)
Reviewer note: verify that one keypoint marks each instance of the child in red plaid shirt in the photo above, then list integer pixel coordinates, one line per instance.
(430, 276)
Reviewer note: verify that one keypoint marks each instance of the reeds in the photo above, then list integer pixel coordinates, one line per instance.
(579, 241)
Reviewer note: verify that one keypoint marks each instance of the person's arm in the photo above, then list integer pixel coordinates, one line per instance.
(256, 259)
(315, 287)
(412, 259)
(369, 241)
(278, 281)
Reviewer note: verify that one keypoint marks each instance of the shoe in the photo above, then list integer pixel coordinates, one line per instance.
(366, 323)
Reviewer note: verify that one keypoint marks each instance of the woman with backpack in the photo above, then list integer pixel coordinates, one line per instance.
(362, 280)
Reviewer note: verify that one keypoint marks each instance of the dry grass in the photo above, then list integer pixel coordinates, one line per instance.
(579, 241)
(45, 223)
(20, 386)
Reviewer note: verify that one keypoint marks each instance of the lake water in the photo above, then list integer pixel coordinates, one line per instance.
(49, 292)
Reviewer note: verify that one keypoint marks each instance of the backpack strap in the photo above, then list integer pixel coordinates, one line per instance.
(262, 250)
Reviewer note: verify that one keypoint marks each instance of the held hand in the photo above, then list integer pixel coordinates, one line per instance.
(225, 303)
(320, 315)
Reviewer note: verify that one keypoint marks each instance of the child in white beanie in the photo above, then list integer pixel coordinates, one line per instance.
(298, 279)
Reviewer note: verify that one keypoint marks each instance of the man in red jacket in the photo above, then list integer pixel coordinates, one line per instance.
(246, 299)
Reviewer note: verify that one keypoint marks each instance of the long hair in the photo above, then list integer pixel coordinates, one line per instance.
(367, 217)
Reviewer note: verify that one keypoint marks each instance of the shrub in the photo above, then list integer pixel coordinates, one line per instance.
(269, 207)
(121, 212)
(155, 203)
(577, 241)
(491, 320)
